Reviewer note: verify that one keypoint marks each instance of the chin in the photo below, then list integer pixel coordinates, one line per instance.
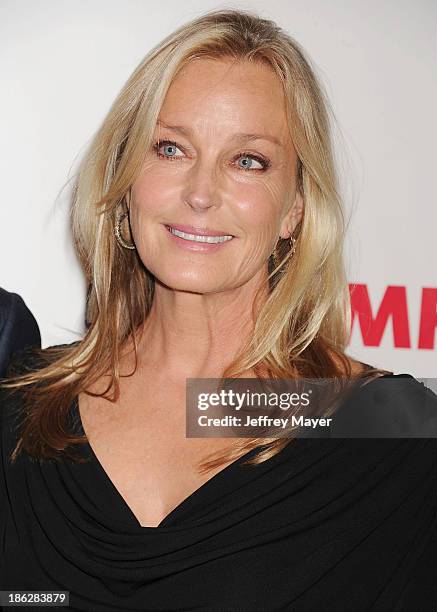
(190, 281)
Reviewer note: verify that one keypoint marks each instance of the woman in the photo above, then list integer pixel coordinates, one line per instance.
(208, 220)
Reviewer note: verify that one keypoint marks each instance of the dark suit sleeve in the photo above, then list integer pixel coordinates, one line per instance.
(18, 328)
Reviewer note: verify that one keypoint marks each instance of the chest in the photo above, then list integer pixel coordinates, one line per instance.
(147, 457)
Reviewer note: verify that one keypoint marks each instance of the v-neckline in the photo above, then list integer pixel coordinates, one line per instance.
(121, 500)
(214, 480)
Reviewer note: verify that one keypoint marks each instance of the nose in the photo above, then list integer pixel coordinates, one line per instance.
(201, 188)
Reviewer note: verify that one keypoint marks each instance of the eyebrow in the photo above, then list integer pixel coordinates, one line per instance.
(239, 136)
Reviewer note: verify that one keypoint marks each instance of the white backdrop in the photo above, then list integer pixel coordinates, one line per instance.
(63, 63)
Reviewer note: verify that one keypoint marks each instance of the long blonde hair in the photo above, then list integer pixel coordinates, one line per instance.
(302, 327)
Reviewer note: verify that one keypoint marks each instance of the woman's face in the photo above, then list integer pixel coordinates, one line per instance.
(207, 173)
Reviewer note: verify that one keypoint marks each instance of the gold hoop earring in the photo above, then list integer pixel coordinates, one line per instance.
(280, 258)
(117, 231)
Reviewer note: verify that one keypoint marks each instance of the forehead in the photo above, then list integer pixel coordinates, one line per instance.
(226, 95)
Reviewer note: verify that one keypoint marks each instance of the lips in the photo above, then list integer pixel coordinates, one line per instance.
(196, 230)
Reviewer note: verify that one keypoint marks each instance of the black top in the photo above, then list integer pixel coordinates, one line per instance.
(18, 327)
(327, 524)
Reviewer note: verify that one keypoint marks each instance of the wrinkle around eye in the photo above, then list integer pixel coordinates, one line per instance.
(263, 161)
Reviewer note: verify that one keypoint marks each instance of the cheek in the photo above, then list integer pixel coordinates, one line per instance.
(260, 208)
(150, 190)
(253, 207)
(151, 194)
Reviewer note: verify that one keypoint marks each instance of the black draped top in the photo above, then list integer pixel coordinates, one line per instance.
(328, 524)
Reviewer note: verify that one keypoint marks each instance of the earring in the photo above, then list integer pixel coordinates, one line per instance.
(277, 258)
(117, 230)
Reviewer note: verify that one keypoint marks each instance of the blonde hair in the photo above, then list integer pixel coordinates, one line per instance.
(302, 327)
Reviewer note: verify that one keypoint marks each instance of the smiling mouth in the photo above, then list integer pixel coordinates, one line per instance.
(198, 237)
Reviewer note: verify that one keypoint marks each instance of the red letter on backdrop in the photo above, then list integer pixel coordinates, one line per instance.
(428, 318)
(394, 305)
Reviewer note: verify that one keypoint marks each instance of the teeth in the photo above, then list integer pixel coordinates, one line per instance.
(197, 238)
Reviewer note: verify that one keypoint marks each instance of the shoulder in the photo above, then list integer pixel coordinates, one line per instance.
(13, 400)
(393, 405)
(29, 359)
(13, 306)
(25, 361)
(18, 327)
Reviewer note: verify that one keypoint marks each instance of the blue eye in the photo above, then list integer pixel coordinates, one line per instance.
(169, 149)
(251, 158)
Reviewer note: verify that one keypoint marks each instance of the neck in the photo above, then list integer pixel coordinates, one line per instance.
(194, 335)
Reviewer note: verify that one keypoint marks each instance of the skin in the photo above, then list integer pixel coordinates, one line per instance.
(203, 300)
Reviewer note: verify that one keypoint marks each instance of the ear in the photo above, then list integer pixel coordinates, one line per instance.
(293, 217)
